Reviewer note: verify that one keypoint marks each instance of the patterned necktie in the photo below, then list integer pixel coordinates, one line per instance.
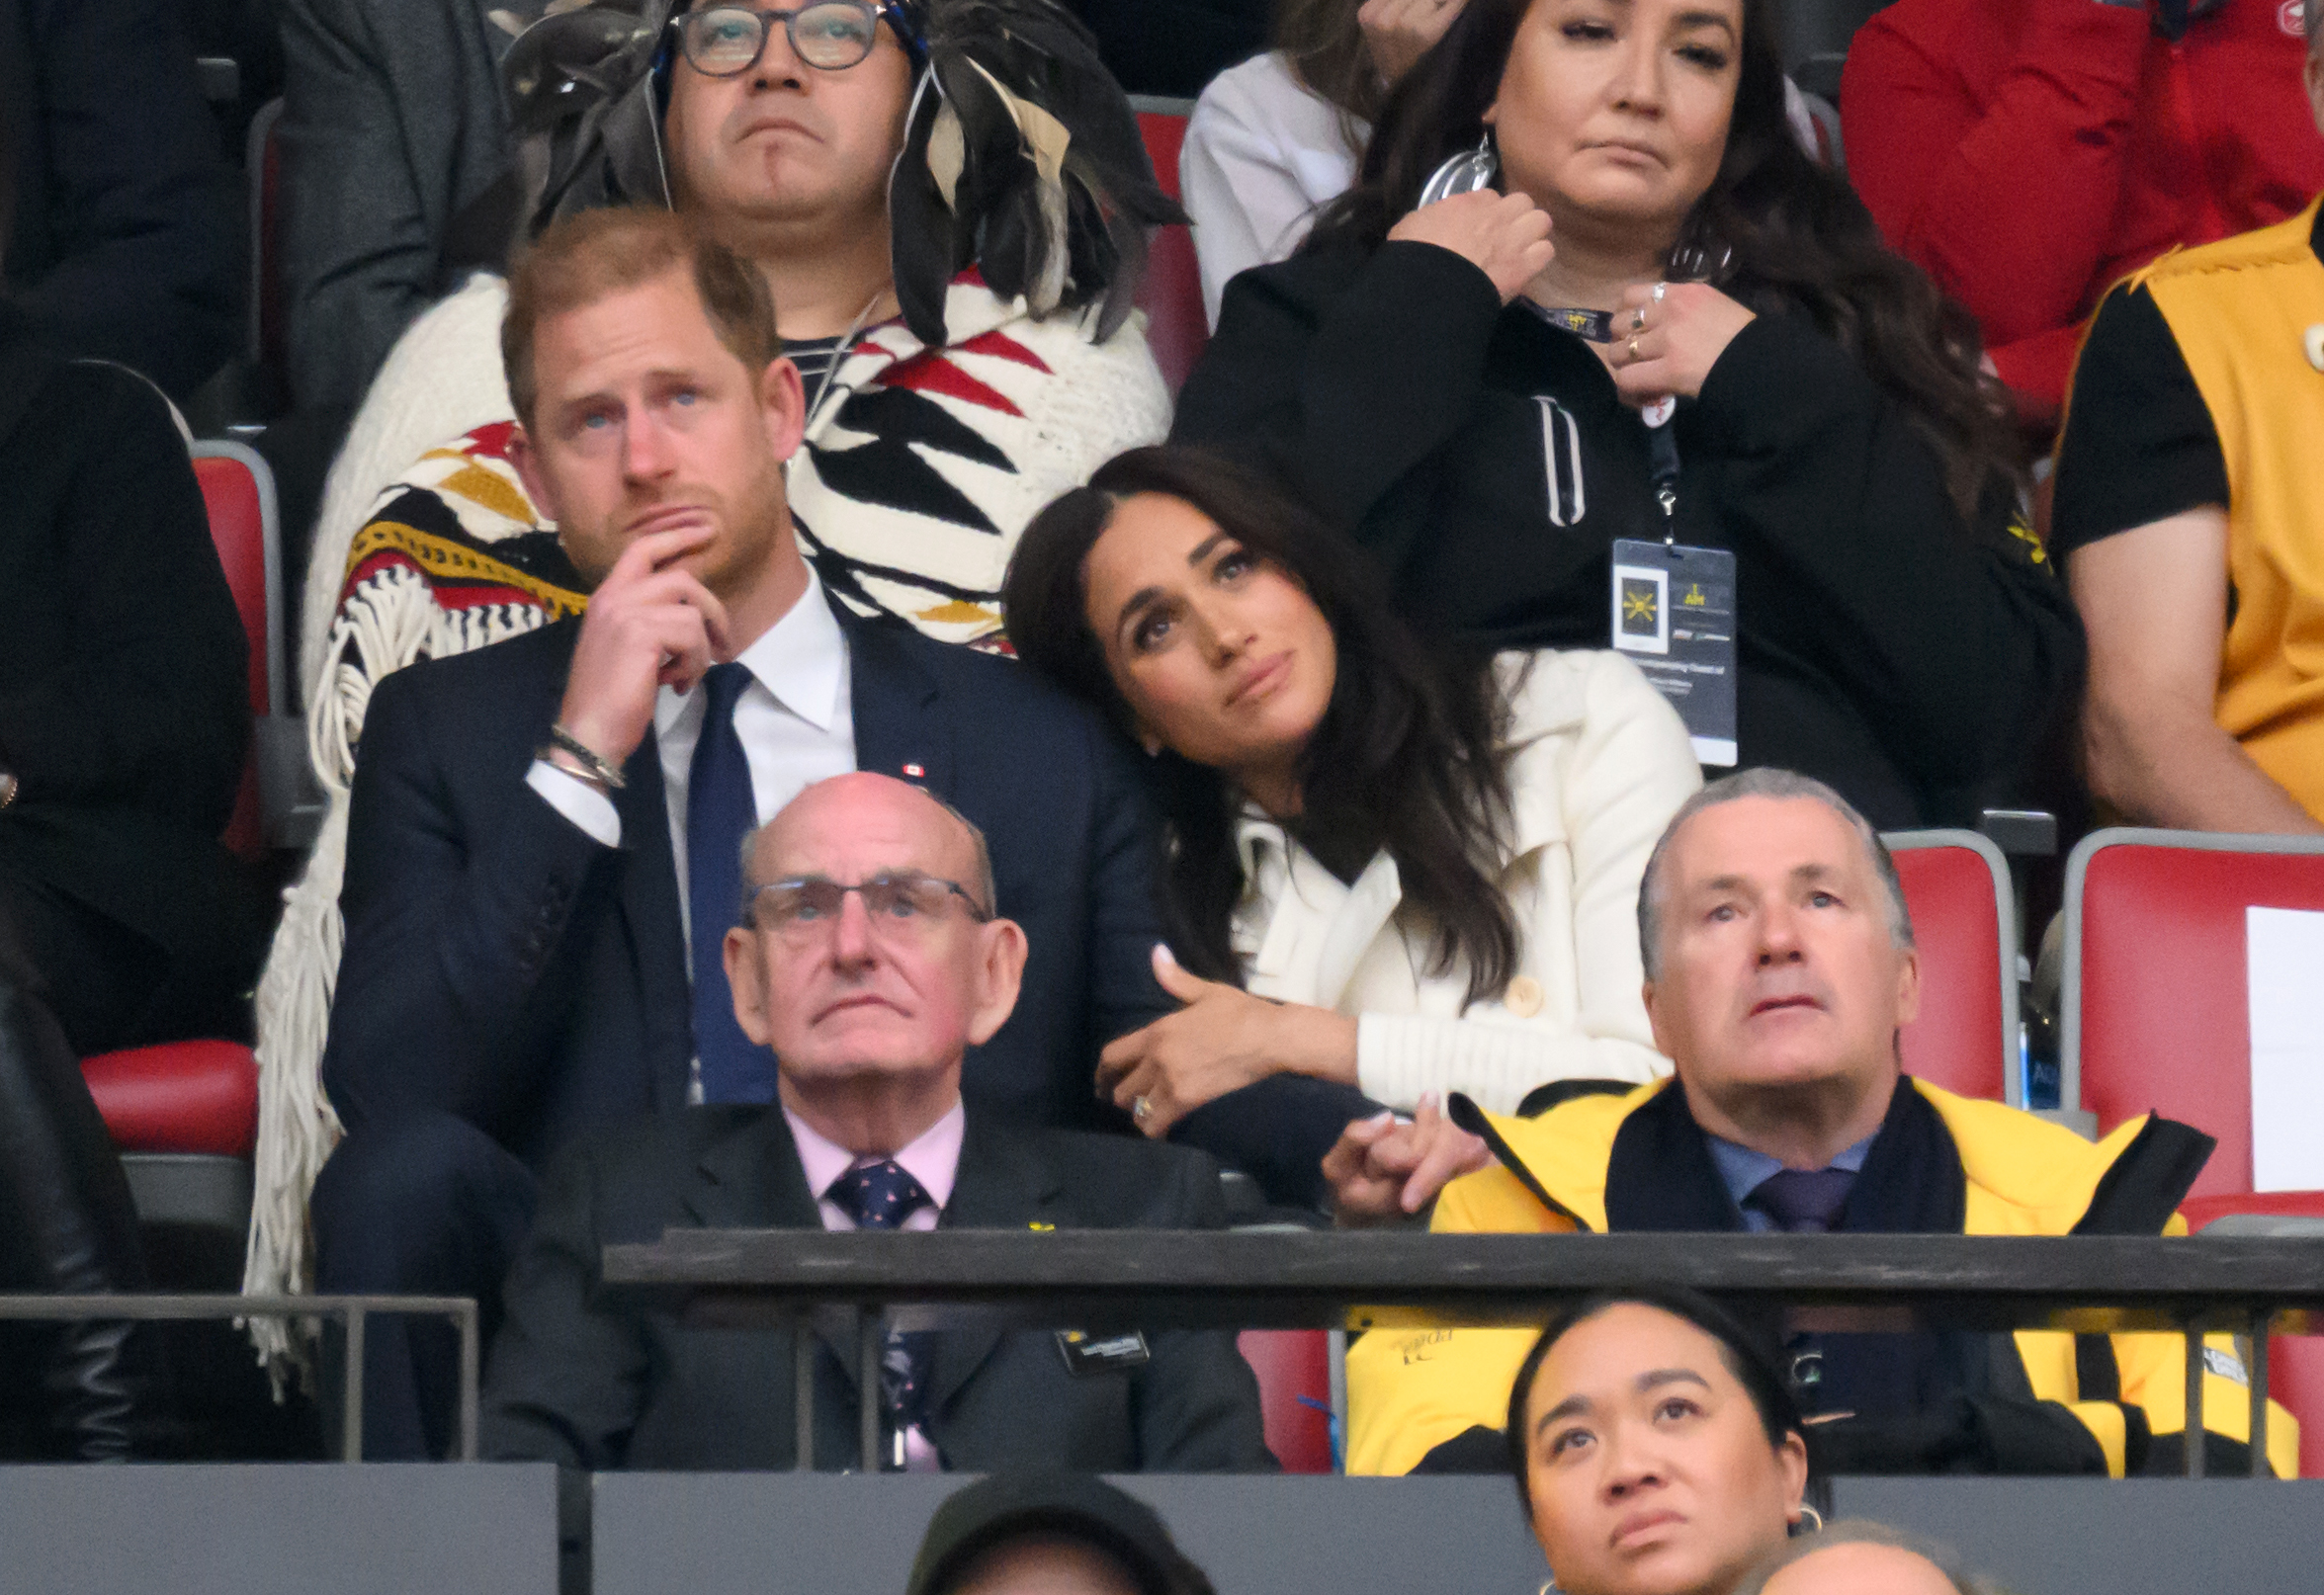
(719, 812)
(1804, 1201)
(882, 1196)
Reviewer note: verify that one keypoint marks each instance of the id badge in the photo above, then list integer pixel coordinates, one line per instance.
(1674, 615)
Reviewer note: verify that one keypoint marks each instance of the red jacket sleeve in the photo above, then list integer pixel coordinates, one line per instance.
(1997, 165)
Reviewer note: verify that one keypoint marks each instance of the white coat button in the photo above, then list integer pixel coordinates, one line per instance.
(1523, 997)
(2313, 341)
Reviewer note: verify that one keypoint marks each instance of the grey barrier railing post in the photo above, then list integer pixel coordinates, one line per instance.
(2258, 1371)
(2192, 1431)
(472, 1357)
(868, 1343)
(350, 1398)
(802, 1394)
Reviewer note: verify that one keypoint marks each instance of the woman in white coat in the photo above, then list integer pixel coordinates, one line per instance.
(1404, 873)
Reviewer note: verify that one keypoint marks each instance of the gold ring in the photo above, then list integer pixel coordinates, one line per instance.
(1633, 347)
(1141, 1109)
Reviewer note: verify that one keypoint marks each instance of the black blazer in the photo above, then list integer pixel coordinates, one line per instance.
(599, 1384)
(504, 966)
(124, 692)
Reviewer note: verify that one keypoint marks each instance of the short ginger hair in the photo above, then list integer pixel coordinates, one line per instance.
(590, 256)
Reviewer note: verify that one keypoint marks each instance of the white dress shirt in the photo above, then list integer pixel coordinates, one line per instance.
(795, 719)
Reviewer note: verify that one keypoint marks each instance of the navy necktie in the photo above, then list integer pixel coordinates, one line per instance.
(882, 1196)
(1804, 1201)
(719, 812)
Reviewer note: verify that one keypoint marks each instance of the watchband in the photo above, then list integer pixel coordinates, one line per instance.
(601, 772)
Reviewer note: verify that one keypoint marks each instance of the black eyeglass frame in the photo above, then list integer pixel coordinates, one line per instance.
(976, 911)
(879, 11)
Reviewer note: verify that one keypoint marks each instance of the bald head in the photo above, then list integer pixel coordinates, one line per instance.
(875, 961)
(1861, 1569)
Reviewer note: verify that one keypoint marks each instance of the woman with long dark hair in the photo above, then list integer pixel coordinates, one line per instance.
(1655, 1449)
(1386, 868)
(1481, 390)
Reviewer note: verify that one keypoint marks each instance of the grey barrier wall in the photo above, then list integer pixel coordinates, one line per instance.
(323, 1529)
(787, 1534)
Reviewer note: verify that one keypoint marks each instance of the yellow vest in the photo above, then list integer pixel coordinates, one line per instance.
(2239, 310)
(1411, 1387)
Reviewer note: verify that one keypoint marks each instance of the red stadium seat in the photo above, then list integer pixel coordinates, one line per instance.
(2296, 1363)
(1294, 1369)
(184, 1114)
(1964, 919)
(2156, 1001)
(1172, 293)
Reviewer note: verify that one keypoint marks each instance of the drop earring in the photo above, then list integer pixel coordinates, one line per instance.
(1464, 173)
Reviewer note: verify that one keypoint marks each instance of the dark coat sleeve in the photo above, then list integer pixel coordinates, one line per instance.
(1197, 1402)
(567, 1379)
(133, 256)
(1954, 639)
(391, 122)
(146, 703)
(461, 967)
(1125, 923)
(1346, 378)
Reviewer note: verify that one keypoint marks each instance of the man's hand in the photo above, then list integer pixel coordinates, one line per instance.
(1223, 1040)
(1503, 236)
(1397, 33)
(1382, 1171)
(1678, 338)
(647, 625)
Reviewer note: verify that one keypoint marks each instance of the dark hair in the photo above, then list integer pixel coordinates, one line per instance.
(1327, 52)
(593, 255)
(1775, 231)
(1749, 1353)
(1407, 757)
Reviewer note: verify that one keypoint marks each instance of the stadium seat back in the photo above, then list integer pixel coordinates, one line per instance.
(1965, 924)
(2156, 998)
(2296, 1363)
(1176, 330)
(238, 494)
(1294, 1369)
(262, 168)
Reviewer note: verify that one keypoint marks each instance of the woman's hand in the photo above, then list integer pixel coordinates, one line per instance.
(1223, 1040)
(1382, 1172)
(1665, 348)
(1397, 33)
(1503, 236)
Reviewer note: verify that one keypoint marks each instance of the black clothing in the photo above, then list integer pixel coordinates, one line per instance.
(123, 710)
(2139, 445)
(592, 1383)
(1173, 47)
(1486, 458)
(124, 245)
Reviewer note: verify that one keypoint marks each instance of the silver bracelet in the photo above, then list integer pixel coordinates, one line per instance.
(601, 772)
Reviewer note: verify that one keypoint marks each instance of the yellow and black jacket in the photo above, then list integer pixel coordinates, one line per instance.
(1942, 1164)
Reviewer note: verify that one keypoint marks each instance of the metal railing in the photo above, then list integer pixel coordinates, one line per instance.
(350, 1310)
(1100, 1281)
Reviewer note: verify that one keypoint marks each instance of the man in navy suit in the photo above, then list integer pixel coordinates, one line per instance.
(544, 846)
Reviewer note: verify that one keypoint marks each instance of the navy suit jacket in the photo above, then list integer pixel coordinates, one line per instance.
(504, 966)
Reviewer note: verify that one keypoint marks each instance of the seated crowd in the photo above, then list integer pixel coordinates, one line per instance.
(815, 738)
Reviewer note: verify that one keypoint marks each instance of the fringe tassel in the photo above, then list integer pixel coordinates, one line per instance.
(389, 622)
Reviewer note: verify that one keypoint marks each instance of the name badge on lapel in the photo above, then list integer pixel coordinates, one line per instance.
(1115, 1354)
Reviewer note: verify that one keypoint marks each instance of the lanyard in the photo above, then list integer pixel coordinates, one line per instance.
(1598, 326)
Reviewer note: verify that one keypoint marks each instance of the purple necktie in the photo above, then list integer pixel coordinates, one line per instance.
(719, 812)
(880, 1195)
(1804, 1201)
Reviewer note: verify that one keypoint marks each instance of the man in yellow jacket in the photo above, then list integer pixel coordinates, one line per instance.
(1779, 967)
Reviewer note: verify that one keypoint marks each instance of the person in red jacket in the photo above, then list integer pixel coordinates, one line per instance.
(2028, 153)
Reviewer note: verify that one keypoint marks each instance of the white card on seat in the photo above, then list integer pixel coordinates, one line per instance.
(2285, 967)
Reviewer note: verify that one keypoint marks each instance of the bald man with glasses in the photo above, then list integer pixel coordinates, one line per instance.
(869, 959)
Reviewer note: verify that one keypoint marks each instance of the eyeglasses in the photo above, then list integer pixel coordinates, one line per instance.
(728, 41)
(900, 900)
